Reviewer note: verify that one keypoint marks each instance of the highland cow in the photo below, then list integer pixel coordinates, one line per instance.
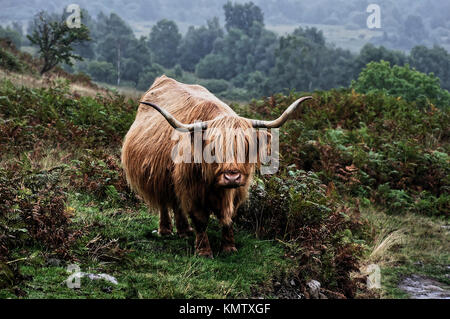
(190, 189)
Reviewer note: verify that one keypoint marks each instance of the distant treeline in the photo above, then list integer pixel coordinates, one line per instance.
(406, 23)
(239, 61)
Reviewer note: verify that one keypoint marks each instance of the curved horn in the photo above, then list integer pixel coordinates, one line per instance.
(283, 118)
(174, 122)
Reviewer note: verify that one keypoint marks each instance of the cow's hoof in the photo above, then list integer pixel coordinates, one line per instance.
(185, 233)
(164, 232)
(205, 254)
(229, 249)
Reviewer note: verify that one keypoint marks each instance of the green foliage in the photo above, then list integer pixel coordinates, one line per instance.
(101, 71)
(435, 60)
(115, 40)
(244, 53)
(197, 43)
(164, 41)
(102, 177)
(120, 242)
(305, 62)
(238, 54)
(402, 82)
(55, 39)
(242, 16)
(148, 75)
(357, 143)
(296, 208)
(212, 66)
(54, 114)
(32, 210)
(9, 61)
(371, 53)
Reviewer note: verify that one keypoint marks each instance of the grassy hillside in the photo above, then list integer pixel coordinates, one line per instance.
(364, 179)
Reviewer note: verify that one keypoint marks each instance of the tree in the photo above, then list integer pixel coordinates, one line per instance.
(136, 57)
(86, 49)
(213, 66)
(305, 62)
(55, 39)
(198, 42)
(401, 81)
(102, 71)
(115, 37)
(148, 76)
(238, 54)
(370, 53)
(242, 16)
(164, 42)
(435, 60)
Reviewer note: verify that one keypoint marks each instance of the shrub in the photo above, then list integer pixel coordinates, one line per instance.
(359, 142)
(54, 114)
(33, 211)
(102, 71)
(402, 81)
(101, 175)
(317, 229)
(9, 62)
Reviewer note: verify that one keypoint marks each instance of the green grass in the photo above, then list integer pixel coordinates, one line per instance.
(408, 244)
(124, 244)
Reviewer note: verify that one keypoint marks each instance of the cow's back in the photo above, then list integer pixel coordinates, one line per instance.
(146, 151)
(186, 102)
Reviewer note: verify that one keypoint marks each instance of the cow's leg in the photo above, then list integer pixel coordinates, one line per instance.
(183, 228)
(227, 244)
(200, 222)
(165, 223)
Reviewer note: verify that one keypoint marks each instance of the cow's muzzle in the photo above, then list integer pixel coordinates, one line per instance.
(230, 179)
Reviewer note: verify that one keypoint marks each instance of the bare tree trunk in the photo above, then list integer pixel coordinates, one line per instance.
(118, 64)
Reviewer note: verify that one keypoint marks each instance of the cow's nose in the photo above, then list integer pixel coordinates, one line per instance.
(232, 177)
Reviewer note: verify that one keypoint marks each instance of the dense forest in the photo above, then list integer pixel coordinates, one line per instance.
(241, 60)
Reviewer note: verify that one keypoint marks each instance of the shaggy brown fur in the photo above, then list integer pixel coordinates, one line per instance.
(189, 189)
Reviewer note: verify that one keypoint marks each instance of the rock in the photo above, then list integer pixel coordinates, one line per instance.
(313, 289)
(53, 262)
(106, 277)
(91, 276)
(420, 287)
(107, 290)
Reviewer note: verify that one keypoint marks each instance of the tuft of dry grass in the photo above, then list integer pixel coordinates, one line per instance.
(397, 237)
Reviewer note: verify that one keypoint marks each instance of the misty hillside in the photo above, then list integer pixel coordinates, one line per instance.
(405, 23)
